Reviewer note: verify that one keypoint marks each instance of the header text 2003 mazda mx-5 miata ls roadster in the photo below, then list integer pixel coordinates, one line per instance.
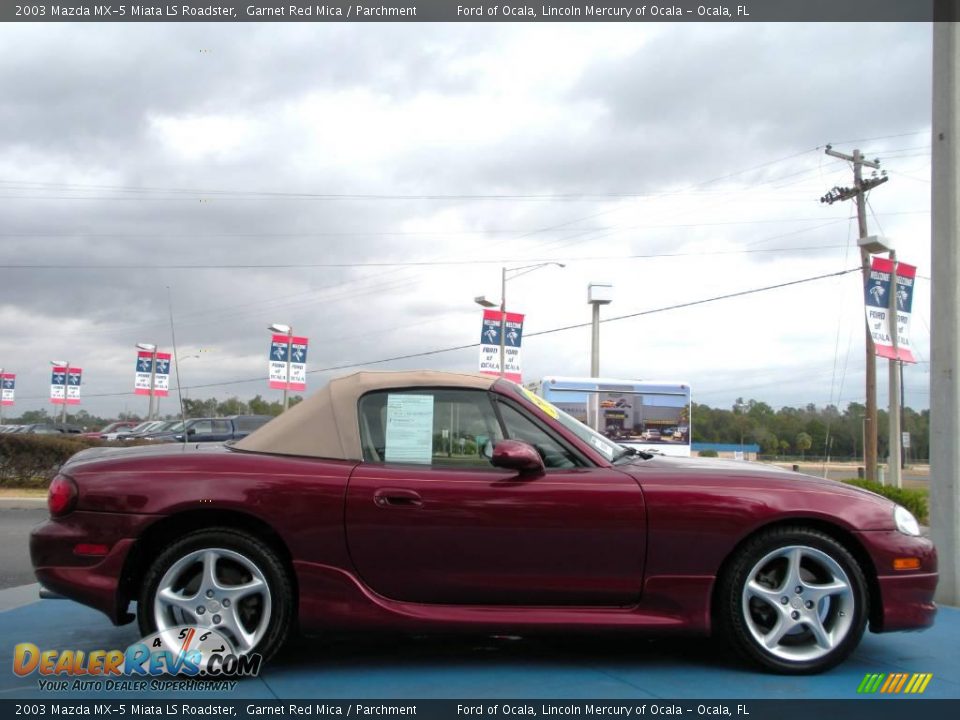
(423, 501)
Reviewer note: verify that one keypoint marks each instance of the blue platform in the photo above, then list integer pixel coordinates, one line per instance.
(554, 667)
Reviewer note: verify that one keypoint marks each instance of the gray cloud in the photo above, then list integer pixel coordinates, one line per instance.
(86, 106)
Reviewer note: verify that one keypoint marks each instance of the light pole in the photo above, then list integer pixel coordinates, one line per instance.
(152, 349)
(873, 244)
(483, 302)
(740, 407)
(65, 364)
(287, 330)
(1, 396)
(597, 294)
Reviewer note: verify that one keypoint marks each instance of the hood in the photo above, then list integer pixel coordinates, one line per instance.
(753, 471)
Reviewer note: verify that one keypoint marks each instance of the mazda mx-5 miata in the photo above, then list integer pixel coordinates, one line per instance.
(424, 501)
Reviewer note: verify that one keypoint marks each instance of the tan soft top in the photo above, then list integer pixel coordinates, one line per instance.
(326, 425)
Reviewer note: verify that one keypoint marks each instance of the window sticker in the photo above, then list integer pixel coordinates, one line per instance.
(541, 403)
(606, 448)
(409, 432)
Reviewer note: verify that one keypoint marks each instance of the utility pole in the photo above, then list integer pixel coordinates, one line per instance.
(858, 192)
(945, 315)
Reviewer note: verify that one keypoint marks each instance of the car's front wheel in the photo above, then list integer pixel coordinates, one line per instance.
(794, 600)
(220, 579)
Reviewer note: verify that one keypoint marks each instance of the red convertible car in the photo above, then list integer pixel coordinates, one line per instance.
(437, 501)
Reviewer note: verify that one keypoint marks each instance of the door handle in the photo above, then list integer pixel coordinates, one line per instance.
(396, 498)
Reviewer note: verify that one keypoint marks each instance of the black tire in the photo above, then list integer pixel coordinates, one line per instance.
(786, 626)
(265, 615)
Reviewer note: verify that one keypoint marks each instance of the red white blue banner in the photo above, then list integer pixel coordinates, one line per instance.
(8, 384)
(288, 371)
(161, 377)
(161, 383)
(490, 344)
(65, 386)
(877, 305)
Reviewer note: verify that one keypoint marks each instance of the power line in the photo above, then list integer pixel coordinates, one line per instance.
(140, 190)
(439, 351)
(400, 263)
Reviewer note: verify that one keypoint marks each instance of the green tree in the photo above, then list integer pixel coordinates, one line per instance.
(804, 443)
(259, 406)
(231, 406)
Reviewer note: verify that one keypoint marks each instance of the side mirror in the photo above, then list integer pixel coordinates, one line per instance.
(516, 455)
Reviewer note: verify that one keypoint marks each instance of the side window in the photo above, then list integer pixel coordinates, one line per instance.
(249, 424)
(202, 427)
(520, 427)
(450, 428)
(222, 427)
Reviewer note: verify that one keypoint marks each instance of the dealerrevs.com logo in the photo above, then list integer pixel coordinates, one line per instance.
(200, 659)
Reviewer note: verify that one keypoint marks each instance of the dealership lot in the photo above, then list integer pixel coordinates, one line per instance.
(482, 667)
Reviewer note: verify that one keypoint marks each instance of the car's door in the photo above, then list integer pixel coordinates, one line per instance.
(430, 519)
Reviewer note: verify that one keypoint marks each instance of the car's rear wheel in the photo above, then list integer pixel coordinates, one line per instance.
(794, 600)
(220, 579)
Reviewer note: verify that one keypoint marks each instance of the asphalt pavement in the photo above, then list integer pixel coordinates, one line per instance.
(16, 521)
(914, 476)
(455, 667)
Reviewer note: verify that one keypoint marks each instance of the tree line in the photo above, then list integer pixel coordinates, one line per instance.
(806, 432)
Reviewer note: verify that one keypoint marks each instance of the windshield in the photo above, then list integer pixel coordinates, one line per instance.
(610, 450)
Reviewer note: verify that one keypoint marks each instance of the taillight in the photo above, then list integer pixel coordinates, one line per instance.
(62, 497)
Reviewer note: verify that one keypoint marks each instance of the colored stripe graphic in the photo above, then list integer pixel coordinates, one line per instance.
(895, 683)
(871, 682)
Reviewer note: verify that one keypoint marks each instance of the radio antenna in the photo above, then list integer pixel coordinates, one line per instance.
(176, 361)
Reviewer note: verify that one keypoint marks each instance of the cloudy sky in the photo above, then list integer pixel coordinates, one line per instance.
(371, 180)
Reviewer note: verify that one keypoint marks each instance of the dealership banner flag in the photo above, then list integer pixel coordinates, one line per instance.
(161, 381)
(64, 386)
(490, 344)
(297, 359)
(877, 306)
(8, 384)
(161, 378)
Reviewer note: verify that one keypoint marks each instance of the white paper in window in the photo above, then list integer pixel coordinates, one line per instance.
(409, 435)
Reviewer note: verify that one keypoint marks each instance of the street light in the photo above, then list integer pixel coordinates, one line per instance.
(483, 302)
(874, 244)
(287, 330)
(152, 349)
(597, 294)
(65, 364)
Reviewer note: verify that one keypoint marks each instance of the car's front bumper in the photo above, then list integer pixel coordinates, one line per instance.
(906, 596)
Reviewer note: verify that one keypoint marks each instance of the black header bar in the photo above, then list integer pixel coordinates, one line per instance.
(530, 11)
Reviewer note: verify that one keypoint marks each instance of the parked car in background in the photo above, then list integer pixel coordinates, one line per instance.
(146, 428)
(651, 434)
(422, 501)
(211, 429)
(111, 431)
(50, 429)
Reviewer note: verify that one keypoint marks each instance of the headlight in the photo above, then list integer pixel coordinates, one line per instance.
(906, 522)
